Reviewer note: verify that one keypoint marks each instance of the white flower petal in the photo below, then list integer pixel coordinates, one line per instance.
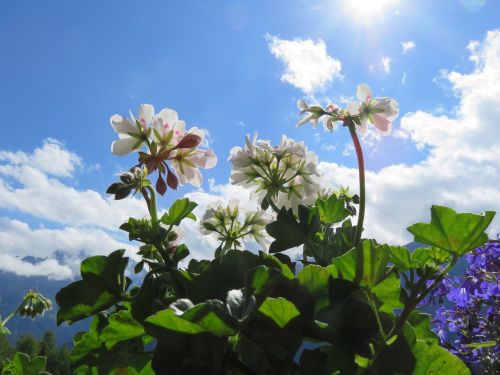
(123, 146)
(363, 128)
(382, 123)
(122, 125)
(204, 159)
(167, 118)
(302, 105)
(146, 113)
(363, 93)
(353, 108)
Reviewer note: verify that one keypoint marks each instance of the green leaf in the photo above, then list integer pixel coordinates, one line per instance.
(400, 257)
(204, 317)
(315, 279)
(368, 270)
(168, 320)
(288, 232)
(280, 310)
(432, 359)
(387, 293)
(259, 278)
(252, 355)
(332, 210)
(179, 210)
(121, 327)
(181, 252)
(103, 281)
(22, 364)
(429, 257)
(85, 343)
(421, 324)
(455, 233)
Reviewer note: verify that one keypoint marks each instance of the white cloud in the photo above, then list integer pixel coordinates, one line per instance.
(348, 149)
(462, 169)
(52, 159)
(404, 77)
(40, 184)
(328, 147)
(408, 46)
(307, 63)
(385, 63)
(18, 240)
(30, 183)
(49, 268)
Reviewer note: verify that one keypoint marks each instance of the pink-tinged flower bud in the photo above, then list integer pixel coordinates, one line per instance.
(161, 186)
(189, 141)
(172, 180)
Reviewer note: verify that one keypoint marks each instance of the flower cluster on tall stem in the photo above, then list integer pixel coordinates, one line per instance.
(284, 175)
(172, 151)
(380, 112)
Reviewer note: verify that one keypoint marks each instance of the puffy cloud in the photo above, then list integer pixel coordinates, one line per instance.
(39, 184)
(18, 240)
(407, 46)
(463, 163)
(52, 159)
(49, 268)
(307, 63)
(31, 183)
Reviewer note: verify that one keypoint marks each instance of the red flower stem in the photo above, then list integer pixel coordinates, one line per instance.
(362, 191)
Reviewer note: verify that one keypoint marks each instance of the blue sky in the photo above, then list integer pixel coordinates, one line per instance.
(66, 67)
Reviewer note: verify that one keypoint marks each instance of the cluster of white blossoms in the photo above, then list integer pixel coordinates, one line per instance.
(380, 112)
(167, 139)
(284, 175)
(232, 224)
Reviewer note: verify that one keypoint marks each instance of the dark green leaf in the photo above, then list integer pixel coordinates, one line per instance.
(455, 233)
(102, 283)
(121, 327)
(288, 232)
(315, 279)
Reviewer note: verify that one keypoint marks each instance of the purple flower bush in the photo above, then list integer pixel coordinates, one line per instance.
(467, 320)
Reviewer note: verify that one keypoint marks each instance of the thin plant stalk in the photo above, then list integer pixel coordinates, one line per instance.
(362, 189)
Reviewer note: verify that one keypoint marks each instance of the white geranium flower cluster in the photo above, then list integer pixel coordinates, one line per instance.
(167, 140)
(380, 112)
(284, 175)
(232, 224)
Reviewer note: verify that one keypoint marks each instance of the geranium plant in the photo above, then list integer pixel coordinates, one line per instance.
(350, 307)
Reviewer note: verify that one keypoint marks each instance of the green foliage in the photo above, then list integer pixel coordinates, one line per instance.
(432, 359)
(455, 233)
(103, 282)
(290, 232)
(179, 210)
(332, 209)
(22, 364)
(248, 313)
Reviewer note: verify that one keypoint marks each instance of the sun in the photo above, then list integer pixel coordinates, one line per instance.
(367, 12)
